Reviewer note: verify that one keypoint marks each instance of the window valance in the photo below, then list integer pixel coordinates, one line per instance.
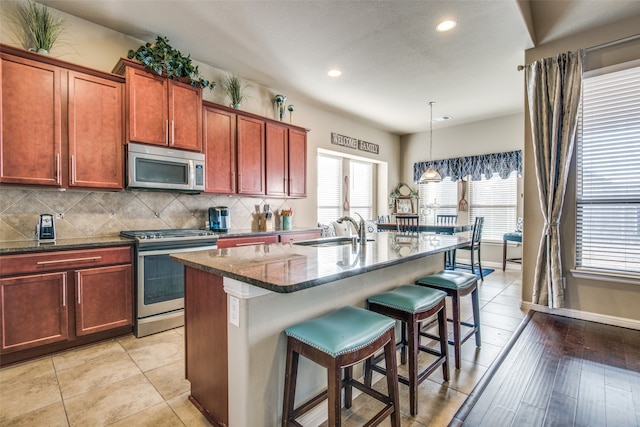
(474, 166)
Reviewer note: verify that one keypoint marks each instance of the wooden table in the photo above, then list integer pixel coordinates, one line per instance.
(433, 228)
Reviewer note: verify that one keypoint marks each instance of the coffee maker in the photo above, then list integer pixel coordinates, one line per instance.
(219, 219)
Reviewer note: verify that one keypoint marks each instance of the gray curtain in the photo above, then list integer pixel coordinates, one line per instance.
(554, 89)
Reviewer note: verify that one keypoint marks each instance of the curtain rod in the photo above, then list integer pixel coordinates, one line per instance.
(602, 46)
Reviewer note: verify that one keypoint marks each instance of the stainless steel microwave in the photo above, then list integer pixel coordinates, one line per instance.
(158, 168)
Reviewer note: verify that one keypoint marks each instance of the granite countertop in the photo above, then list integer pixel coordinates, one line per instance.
(287, 267)
(23, 246)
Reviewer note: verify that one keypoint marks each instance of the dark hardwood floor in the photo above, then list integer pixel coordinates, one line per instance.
(561, 372)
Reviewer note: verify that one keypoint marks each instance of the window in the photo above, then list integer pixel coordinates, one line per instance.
(361, 188)
(496, 200)
(333, 190)
(608, 171)
(440, 198)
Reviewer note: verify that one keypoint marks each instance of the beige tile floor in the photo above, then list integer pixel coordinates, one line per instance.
(140, 382)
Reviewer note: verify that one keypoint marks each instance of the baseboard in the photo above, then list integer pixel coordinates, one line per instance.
(584, 315)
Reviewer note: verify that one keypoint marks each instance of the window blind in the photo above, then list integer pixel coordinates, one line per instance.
(496, 200)
(437, 198)
(608, 172)
(329, 188)
(361, 192)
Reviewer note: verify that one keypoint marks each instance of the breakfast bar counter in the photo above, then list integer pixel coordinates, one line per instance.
(238, 302)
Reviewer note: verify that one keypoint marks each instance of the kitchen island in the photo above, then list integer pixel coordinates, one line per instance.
(238, 302)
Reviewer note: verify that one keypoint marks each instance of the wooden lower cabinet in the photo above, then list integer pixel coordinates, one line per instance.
(258, 239)
(96, 286)
(34, 311)
(299, 235)
(60, 299)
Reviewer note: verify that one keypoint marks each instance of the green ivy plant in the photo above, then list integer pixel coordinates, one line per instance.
(163, 59)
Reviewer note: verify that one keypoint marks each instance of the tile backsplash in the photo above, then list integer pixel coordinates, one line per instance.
(97, 213)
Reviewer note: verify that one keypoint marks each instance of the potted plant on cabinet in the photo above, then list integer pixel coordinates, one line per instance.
(40, 27)
(163, 59)
(234, 88)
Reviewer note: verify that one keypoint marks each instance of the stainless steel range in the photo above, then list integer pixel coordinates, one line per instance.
(159, 279)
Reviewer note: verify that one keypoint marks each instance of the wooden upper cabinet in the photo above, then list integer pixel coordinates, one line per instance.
(251, 158)
(297, 163)
(277, 176)
(185, 116)
(96, 149)
(30, 116)
(220, 150)
(161, 111)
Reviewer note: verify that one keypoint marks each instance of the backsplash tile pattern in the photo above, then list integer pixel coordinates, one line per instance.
(95, 213)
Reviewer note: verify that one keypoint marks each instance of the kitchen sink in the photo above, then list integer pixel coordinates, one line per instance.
(329, 241)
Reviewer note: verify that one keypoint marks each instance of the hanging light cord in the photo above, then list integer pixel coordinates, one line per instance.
(431, 131)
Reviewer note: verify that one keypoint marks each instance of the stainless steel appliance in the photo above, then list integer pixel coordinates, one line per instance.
(219, 219)
(159, 168)
(159, 279)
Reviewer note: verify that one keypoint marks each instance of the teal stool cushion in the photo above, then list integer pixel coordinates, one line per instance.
(515, 236)
(341, 331)
(409, 298)
(450, 279)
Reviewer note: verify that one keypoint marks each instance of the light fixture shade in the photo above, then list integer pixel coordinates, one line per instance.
(430, 175)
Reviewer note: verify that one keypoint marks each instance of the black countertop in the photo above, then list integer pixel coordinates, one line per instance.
(287, 267)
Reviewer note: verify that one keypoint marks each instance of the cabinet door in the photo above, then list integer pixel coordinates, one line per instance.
(220, 151)
(250, 156)
(147, 111)
(30, 118)
(185, 116)
(33, 311)
(96, 149)
(103, 298)
(276, 160)
(297, 163)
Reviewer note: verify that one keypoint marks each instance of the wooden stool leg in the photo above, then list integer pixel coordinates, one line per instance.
(444, 348)
(504, 255)
(455, 303)
(348, 388)
(403, 340)
(290, 379)
(475, 303)
(413, 339)
(392, 379)
(334, 392)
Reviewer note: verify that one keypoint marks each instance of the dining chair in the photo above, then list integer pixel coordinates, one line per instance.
(407, 223)
(446, 219)
(474, 245)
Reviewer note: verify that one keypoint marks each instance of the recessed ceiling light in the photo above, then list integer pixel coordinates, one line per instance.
(442, 119)
(334, 73)
(446, 25)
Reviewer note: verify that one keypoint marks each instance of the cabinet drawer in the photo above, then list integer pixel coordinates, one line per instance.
(63, 260)
(306, 235)
(233, 242)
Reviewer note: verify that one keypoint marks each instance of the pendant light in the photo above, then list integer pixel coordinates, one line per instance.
(430, 175)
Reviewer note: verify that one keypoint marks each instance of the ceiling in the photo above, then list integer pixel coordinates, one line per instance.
(393, 60)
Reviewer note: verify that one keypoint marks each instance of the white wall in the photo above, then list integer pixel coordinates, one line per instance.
(94, 46)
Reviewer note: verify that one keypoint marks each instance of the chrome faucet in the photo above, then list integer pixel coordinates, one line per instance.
(361, 228)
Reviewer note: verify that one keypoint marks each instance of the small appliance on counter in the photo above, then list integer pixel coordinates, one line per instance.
(45, 229)
(219, 219)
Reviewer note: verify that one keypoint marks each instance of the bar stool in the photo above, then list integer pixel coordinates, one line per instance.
(337, 341)
(458, 284)
(412, 305)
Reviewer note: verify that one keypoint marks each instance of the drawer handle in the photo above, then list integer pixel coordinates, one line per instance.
(251, 243)
(93, 258)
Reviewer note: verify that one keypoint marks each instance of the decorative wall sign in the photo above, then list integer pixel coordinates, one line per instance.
(356, 144)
